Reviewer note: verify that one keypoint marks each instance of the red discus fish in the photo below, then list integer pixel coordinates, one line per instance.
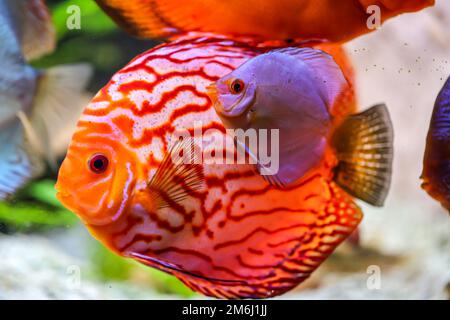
(220, 228)
(268, 19)
(436, 163)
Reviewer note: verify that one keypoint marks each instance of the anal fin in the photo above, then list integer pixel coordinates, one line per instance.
(364, 146)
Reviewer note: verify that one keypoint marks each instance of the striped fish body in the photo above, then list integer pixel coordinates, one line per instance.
(238, 237)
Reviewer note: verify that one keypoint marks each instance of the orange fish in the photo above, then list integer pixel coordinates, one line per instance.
(220, 228)
(436, 163)
(267, 19)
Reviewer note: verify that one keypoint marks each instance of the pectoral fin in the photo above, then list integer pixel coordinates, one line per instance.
(178, 175)
(364, 146)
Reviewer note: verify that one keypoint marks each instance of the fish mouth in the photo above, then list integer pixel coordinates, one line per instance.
(211, 89)
(87, 214)
(213, 94)
(67, 200)
(62, 195)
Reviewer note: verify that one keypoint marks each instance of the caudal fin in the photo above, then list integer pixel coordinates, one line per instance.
(364, 145)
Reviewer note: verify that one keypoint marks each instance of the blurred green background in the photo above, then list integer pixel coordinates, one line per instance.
(35, 209)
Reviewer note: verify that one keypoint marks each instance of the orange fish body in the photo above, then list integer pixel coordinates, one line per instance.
(239, 237)
(267, 19)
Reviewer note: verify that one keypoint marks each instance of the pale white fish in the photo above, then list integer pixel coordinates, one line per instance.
(291, 90)
(38, 108)
(294, 90)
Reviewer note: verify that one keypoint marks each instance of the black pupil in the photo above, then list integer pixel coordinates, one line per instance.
(99, 164)
(237, 87)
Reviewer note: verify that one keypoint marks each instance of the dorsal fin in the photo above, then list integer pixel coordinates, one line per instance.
(364, 146)
(146, 19)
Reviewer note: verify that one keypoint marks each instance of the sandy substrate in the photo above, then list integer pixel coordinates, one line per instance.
(33, 267)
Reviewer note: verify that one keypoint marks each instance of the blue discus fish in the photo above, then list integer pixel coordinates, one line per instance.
(436, 163)
(294, 90)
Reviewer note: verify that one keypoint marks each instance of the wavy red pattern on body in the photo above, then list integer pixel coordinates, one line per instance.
(239, 237)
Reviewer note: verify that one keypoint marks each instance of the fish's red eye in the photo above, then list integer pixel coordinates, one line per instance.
(98, 163)
(236, 86)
